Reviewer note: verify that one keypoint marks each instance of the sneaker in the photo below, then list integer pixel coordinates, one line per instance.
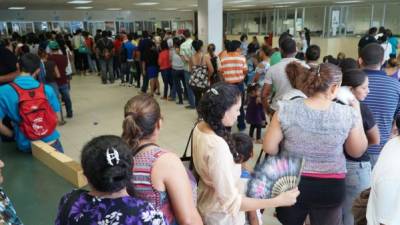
(179, 103)
(164, 98)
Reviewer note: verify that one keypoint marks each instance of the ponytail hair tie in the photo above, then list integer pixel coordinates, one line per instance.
(112, 156)
(213, 91)
(318, 71)
(132, 114)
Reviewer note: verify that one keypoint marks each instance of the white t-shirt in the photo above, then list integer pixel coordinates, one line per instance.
(384, 200)
(388, 50)
(276, 76)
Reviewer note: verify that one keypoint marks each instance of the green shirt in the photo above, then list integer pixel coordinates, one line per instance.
(275, 58)
(186, 50)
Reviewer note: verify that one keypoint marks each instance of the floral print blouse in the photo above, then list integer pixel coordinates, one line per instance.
(7, 211)
(91, 210)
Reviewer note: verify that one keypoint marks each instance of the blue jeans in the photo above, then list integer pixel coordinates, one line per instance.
(57, 146)
(358, 178)
(64, 91)
(190, 94)
(168, 82)
(127, 75)
(241, 122)
(179, 81)
(106, 67)
(373, 158)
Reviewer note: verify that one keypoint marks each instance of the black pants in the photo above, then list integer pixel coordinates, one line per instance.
(81, 61)
(253, 127)
(179, 82)
(138, 72)
(198, 93)
(320, 198)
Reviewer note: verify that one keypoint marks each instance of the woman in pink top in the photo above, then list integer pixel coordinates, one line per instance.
(159, 176)
(164, 62)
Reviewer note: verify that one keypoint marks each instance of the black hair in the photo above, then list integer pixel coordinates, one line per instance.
(372, 54)
(211, 49)
(212, 108)
(244, 146)
(267, 50)
(389, 33)
(177, 42)
(313, 52)
(252, 87)
(226, 44)
(104, 33)
(283, 37)
(103, 173)
(353, 78)
(164, 45)
(233, 46)
(186, 33)
(29, 62)
(348, 64)
(243, 36)
(197, 45)
(372, 30)
(300, 56)
(330, 59)
(392, 62)
(398, 123)
(288, 46)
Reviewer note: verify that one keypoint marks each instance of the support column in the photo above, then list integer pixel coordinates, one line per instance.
(210, 21)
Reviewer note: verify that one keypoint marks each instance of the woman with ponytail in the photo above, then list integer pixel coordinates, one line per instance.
(316, 129)
(218, 163)
(159, 176)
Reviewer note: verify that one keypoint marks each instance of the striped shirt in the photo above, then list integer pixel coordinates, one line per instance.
(384, 102)
(233, 67)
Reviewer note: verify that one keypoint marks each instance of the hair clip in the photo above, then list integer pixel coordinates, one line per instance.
(318, 71)
(213, 90)
(112, 156)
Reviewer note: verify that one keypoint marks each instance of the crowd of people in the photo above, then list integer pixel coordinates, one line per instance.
(349, 142)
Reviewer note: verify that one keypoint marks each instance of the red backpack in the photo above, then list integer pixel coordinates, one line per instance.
(38, 119)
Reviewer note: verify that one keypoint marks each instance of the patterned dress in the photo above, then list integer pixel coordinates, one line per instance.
(8, 215)
(90, 210)
(143, 188)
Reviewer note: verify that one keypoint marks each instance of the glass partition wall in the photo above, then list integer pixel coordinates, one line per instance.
(325, 20)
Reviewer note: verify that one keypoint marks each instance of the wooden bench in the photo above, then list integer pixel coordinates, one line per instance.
(60, 163)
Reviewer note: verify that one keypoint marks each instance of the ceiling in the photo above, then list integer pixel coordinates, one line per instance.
(168, 5)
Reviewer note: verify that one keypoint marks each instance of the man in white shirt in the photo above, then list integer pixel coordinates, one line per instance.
(384, 200)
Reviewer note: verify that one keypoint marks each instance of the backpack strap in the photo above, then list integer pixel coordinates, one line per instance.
(25, 94)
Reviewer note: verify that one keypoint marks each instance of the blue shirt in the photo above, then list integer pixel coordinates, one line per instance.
(384, 102)
(9, 107)
(130, 48)
(394, 42)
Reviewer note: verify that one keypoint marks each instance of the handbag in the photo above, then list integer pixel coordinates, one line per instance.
(199, 77)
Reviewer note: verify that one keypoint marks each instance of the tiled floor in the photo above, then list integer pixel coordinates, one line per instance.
(98, 110)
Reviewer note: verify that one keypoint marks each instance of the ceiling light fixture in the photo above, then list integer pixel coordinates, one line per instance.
(169, 9)
(243, 6)
(84, 7)
(147, 3)
(113, 9)
(80, 2)
(17, 8)
(185, 10)
(347, 2)
(239, 1)
(284, 3)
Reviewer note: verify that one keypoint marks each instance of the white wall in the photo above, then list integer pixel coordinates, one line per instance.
(81, 15)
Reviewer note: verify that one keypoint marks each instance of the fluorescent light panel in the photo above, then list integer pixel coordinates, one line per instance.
(146, 3)
(169, 9)
(114, 9)
(347, 2)
(80, 2)
(84, 7)
(284, 3)
(17, 8)
(243, 6)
